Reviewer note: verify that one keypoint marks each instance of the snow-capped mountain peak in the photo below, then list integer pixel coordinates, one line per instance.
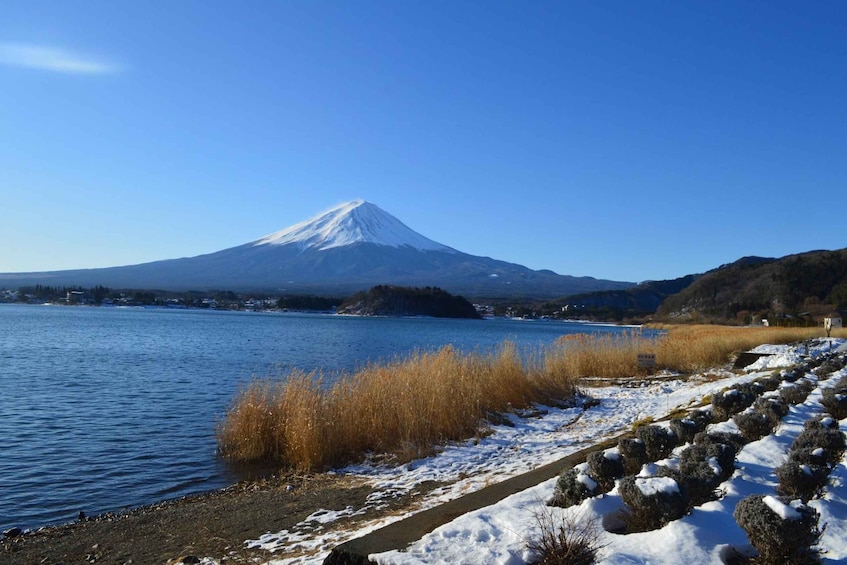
(353, 222)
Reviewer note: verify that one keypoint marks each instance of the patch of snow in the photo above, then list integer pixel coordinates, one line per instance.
(780, 509)
(589, 483)
(714, 465)
(349, 223)
(652, 486)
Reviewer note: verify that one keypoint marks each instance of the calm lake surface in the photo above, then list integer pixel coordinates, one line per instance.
(103, 409)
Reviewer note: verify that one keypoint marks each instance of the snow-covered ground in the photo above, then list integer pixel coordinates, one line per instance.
(499, 533)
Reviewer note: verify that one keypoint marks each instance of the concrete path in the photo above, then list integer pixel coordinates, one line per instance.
(401, 534)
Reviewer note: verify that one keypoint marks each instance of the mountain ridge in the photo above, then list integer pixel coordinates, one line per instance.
(346, 249)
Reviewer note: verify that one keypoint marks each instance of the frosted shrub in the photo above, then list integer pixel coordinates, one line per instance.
(697, 483)
(753, 425)
(729, 402)
(801, 481)
(651, 502)
(817, 456)
(634, 454)
(829, 366)
(701, 418)
(834, 400)
(792, 375)
(605, 467)
(701, 469)
(730, 439)
(720, 456)
(832, 441)
(773, 407)
(684, 428)
(796, 392)
(781, 533)
(658, 441)
(771, 382)
(824, 421)
(572, 487)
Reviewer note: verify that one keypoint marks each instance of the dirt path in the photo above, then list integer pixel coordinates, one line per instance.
(212, 525)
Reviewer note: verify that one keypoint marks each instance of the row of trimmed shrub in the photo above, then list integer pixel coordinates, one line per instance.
(834, 399)
(784, 529)
(708, 461)
(812, 456)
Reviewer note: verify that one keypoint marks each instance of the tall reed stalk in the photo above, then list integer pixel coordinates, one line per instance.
(405, 407)
(410, 405)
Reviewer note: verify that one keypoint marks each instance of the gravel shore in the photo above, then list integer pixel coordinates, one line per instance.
(214, 524)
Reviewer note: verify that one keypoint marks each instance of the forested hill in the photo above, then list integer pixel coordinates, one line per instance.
(806, 285)
(638, 301)
(385, 300)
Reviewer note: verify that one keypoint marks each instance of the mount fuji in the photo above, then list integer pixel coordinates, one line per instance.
(351, 247)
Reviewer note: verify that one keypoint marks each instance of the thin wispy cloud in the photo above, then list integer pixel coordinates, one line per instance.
(52, 59)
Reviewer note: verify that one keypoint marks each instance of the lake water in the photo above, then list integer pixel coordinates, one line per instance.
(103, 409)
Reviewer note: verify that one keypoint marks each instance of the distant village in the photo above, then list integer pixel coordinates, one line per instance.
(95, 297)
(212, 300)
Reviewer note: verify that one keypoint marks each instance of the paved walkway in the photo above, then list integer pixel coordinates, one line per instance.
(401, 534)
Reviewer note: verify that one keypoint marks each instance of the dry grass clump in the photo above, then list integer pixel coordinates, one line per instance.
(570, 540)
(408, 406)
(598, 355)
(685, 349)
(402, 408)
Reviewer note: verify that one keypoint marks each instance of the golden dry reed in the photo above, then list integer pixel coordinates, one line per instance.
(683, 348)
(406, 407)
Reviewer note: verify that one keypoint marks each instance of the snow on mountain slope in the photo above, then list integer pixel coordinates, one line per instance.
(349, 223)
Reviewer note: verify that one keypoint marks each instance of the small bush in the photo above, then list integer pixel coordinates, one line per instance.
(801, 481)
(701, 469)
(701, 418)
(573, 487)
(684, 429)
(771, 382)
(570, 540)
(810, 456)
(834, 400)
(792, 375)
(796, 392)
(730, 439)
(832, 441)
(773, 407)
(605, 467)
(729, 402)
(651, 502)
(779, 539)
(753, 425)
(822, 421)
(658, 441)
(698, 483)
(634, 454)
(715, 454)
(829, 366)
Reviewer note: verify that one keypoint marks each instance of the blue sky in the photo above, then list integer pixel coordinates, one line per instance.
(621, 140)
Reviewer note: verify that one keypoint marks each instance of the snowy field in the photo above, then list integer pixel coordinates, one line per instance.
(499, 533)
